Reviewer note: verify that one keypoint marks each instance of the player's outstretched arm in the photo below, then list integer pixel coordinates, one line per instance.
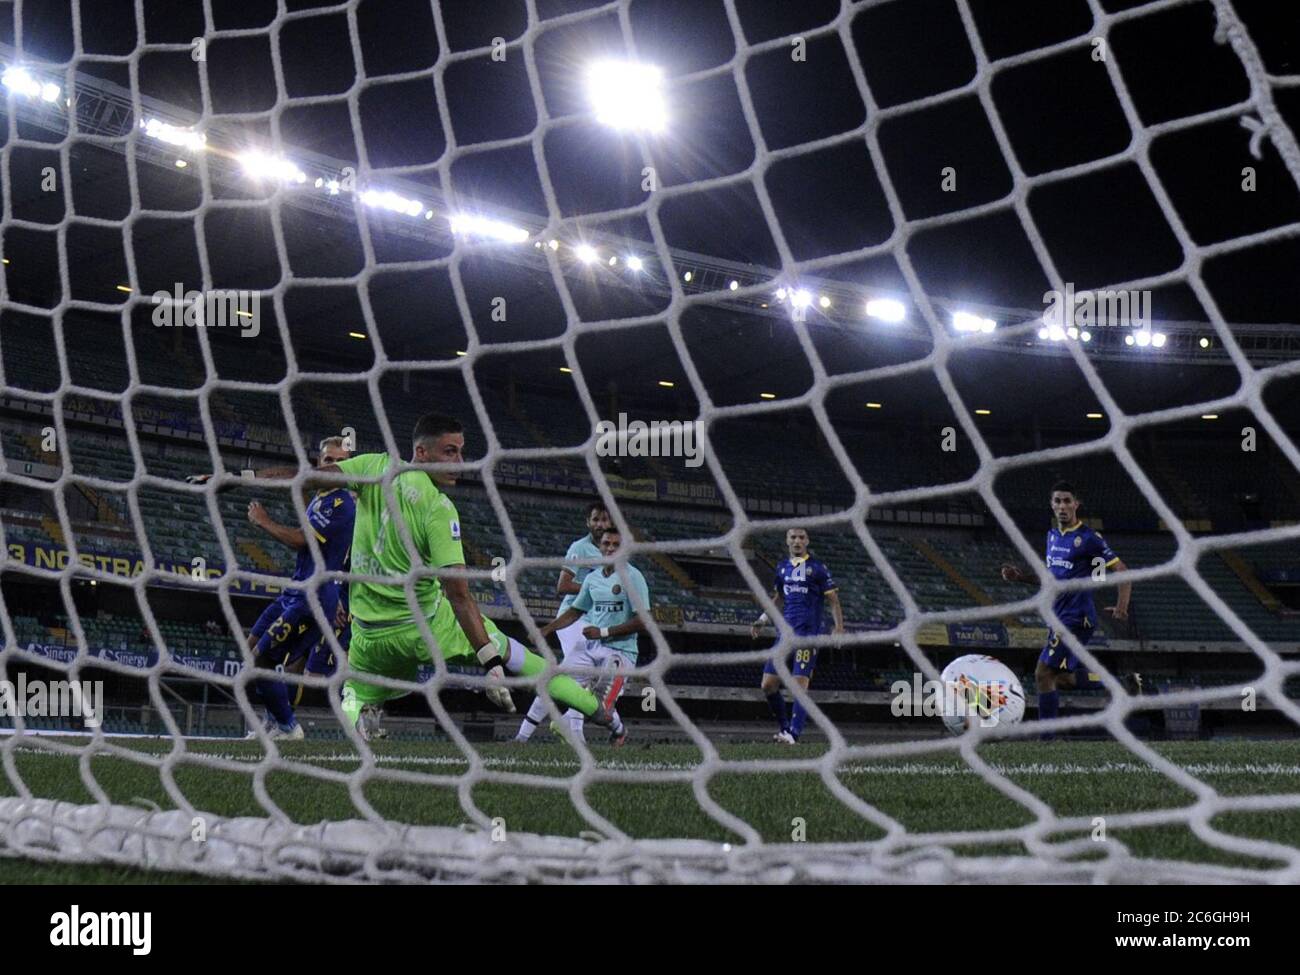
(311, 483)
(567, 585)
(561, 621)
(259, 516)
(1120, 610)
(465, 608)
(837, 611)
(635, 625)
(779, 598)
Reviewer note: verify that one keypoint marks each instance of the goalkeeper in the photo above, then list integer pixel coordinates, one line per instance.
(386, 639)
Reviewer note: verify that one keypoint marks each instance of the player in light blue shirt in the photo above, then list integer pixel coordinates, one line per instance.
(609, 603)
(585, 549)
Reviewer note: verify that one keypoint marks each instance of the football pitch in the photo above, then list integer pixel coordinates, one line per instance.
(929, 792)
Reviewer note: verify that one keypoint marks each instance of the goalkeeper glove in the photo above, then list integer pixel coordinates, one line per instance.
(497, 693)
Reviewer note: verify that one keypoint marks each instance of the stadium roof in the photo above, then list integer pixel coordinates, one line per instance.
(821, 198)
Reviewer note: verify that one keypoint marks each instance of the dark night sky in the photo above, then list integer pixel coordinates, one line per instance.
(1100, 228)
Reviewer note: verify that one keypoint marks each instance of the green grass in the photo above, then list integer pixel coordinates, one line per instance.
(415, 783)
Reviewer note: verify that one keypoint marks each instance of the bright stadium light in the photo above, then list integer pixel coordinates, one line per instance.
(1204, 343)
(1128, 340)
(824, 301)
(627, 96)
(261, 166)
(688, 276)
(585, 253)
(634, 263)
(964, 321)
(173, 135)
(886, 309)
(1055, 333)
(613, 261)
(1143, 338)
(734, 285)
(470, 225)
(780, 294)
(553, 244)
(1085, 336)
(801, 298)
(1158, 339)
(388, 200)
(20, 82)
(1043, 333)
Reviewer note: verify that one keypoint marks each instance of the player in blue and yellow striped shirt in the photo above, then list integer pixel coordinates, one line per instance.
(1074, 551)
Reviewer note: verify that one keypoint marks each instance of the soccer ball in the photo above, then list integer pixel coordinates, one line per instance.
(980, 690)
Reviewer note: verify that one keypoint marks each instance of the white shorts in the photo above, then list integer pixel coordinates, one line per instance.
(608, 683)
(571, 636)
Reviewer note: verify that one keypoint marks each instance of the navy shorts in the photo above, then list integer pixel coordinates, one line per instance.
(801, 663)
(1060, 657)
(287, 632)
(321, 661)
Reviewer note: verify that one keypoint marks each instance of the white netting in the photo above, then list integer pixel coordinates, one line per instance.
(370, 847)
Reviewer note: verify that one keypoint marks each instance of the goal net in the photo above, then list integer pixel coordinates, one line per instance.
(101, 105)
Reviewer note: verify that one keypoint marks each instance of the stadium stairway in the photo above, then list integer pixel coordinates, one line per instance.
(104, 509)
(474, 556)
(54, 530)
(667, 563)
(1286, 476)
(948, 569)
(1195, 512)
(33, 443)
(258, 555)
(1246, 574)
(533, 430)
(324, 410)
